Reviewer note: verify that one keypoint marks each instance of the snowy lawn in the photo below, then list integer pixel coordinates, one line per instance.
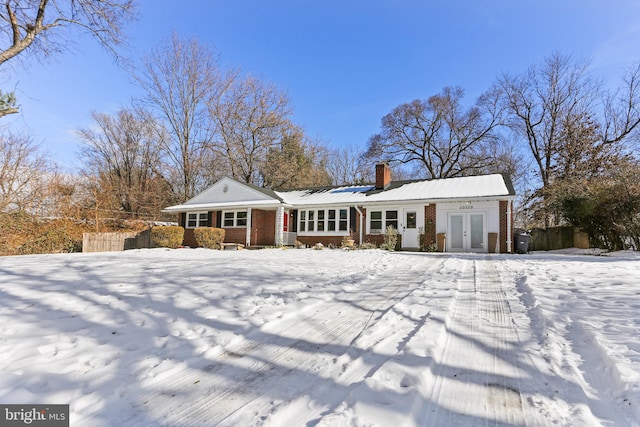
(303, 337)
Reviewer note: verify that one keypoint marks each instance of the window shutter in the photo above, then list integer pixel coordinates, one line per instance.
(352, 219)
(218, 219)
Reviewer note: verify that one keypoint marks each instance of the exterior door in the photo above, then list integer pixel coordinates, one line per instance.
(466, 232)
(410, 229)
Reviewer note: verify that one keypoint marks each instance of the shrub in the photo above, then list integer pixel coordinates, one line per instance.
(170, 236)
(24, 234)
(368, 245)
(390, 239)
(209, 237)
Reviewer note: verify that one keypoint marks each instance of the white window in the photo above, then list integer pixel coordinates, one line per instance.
(232, 219)
(197, 219)
(323, 221)
(380, 219)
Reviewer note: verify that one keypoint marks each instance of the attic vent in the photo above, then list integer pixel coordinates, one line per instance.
(225, 188)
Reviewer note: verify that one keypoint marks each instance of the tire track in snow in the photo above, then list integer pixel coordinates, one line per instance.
(484, 389)
(245, 373)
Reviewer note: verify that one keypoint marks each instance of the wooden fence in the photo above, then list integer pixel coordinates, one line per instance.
(558, 238)
(110, 242)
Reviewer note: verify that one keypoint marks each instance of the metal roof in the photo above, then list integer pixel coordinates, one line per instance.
(461, 188)
(469, 187)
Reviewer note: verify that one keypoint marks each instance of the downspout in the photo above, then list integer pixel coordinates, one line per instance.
(509, 236)
(361, 223)
(249, 226)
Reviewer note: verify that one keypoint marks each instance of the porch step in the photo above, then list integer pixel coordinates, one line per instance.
(232, 246)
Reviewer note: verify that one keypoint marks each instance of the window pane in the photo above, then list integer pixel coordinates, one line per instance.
(303, 215)
(477, 231)
(311, 215)
(228, 219)
(331, 225)
(392, 219)
(332, 214)
(376, 220)
(192, 220)
(320, 225)
(343, 220)
(320, 215)
(242, 219)
(302, 226)
(411, 219)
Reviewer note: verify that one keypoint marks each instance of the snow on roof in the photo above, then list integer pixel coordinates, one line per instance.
(493, 185)
(229, 193)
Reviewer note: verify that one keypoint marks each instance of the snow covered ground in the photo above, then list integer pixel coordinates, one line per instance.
(328, 338)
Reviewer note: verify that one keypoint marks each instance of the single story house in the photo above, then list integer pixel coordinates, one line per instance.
(465, 214)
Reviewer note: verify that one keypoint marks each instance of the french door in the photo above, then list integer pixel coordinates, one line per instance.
(466, 232)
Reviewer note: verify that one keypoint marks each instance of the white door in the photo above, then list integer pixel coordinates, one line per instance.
(410, 229)
(466, 232)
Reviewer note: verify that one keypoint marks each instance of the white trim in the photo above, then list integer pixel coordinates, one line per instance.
(248, 234)
(219, 206)
(325, 221)
(279, 240)
(509, 236)
(235, 219)
(197, 219)
(383, 209)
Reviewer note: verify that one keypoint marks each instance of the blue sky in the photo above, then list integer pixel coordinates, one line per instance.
(344, 64)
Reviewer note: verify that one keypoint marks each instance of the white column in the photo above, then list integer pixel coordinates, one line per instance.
(248, 237)
(509, 236)
(279, 226)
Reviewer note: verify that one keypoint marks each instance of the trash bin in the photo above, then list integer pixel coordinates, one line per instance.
(522, 243)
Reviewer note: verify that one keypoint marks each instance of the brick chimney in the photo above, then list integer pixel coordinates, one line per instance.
(383, 176)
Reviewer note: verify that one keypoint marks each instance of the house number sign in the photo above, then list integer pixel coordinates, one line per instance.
(466, 207)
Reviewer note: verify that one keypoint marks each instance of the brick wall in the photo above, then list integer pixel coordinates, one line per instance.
(263, 227)
(235, 235)
(503, 225)
(429, 225)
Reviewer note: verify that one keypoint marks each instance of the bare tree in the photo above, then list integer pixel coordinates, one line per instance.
(179, 77)
(439, 135)
(554, 109)
(251, 117)
(23, 173)
(122, 152)
(345, 166)
(539, 100)
(38, 26)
